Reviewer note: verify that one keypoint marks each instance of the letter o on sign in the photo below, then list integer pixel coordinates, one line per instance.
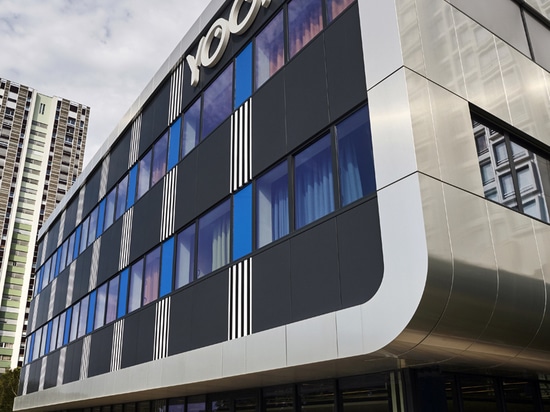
(239, 28)
(219, 29)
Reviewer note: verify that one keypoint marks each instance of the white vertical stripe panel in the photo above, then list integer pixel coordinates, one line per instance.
(168, 204)
(70, 284)
(104, 175)
(162, 328)
(43, 367)
(134, 141)
(85, 358)
(241, 146)
(176, 90)
(240, 300)
(61, 228)
(80, 207)
(95, 265)
(26, 379)
(125, 239)
(116, 349)
(61, 367)
(52, 298)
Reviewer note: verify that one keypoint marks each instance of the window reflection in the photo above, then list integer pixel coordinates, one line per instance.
(218, 102)
(214, 240)
(185, 256)
(335, 7)
(272, 205)
(269, 50)
(191, 127)
(151, 276)
(305, 21)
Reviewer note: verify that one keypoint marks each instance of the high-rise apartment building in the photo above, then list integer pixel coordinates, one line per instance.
(42, 143)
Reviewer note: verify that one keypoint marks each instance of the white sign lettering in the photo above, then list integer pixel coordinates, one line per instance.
(222, 30)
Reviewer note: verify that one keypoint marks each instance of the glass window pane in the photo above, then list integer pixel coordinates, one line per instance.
(243, 76)
(160, 153)
(132, 184)
(317, 396)
(92, 230)
(83, 316)
(272, 205)
(101, 302)
(123, 293)
(335, 7)
(112, 300)
(61, 330)
(74, 321)
(214, 240)
(314, 185)
(478, 394)
(242, 222)
(355, 160)
(66, 333)
(63, 261)
(54, 333)
(481, 141)
(144, 178)
(501, 153)
(196, 404)
(151, 277)
(121, 197)
(487, 173)
(176, 405)
(507, 185)
(218, 102)
(185, 257)
(109, 209)
(269, 54)
(167, 267)
(71, 249)
(305, 21)
(526, 179)
(278, 399)
(191, 127)
(136, 280)
(174, 143)
(365, 393)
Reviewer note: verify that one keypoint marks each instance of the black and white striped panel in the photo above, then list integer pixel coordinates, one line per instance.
(96, 248)
(116, 349)
(168, 214)
(43, 367)
(241, 146)
(125, 239)
(53, 288)
(85, 357)
(104, 176)
(61, 366)
(176, 92)
(240, 299)
(134, 141)
(162, 328)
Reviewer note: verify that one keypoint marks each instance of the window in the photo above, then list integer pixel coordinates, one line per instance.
(41, 108)
(191, 128)
(335, 7)
(74, 321)
(305, 21)
(144, 178)
(100, 306)
(160, 153)
(112, 300)
(243, 76)
(83, 317)
(501, 153)
(487, 173)
(151, 277)
(136, 280)
(92, 230)
(314, 190)
(60, 330)
(214, 240)
(110, 209)
(242, 222)
(355, 160)
(272, 205)
(218, 102)
(185, 257)
(269, 54)
(121, 197)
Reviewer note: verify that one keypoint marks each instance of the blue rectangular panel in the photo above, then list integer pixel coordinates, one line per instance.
(242, 222)
(67, 334)
(167, 267)
(243, 76)
(91, 312)
(77, 242)
(101, 218)
(122, 294)
(132, 182)
(48, 338)
(174, 144)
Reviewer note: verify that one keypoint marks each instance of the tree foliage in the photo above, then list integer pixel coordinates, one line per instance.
(9, 382)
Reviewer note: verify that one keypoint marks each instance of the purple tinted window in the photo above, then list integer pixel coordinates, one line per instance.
(214, 240)
(144, 177)
(160, 153)
(151, 277)
(121, 197)
(185, 257)
(218, 102)
(110, 209)
(112, 300)
(191, 127)
(100, 306)
(136, 280)
(305, 21)
(269, 50)
(335, 7)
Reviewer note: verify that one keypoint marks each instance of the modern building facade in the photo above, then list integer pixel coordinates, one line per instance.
(321, 205)
(41, 149)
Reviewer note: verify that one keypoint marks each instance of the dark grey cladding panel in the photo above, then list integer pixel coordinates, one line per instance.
(100, 351)
(43, 305)
(70, 217)
(31, 317)
(72, 362)
(213, 167)
(186, 196)
(198, 315)
(347, 85)
(118, 163)
(91, 196)
(155, 117)
(52, 239)
(61, 292)
(50, 379)
(82, 274)
(146, 223)
(360, 253)
(34, 376)
(268, 123)
(314, 271)
(271, 288)
(109, 252)
(306, 94)
(139, 328)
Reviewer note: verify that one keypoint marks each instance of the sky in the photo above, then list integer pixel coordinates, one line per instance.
(101, 53)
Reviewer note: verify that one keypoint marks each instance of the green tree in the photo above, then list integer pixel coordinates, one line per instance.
(9, 382)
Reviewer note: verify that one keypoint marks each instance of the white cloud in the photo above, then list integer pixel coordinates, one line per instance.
(100, 53)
